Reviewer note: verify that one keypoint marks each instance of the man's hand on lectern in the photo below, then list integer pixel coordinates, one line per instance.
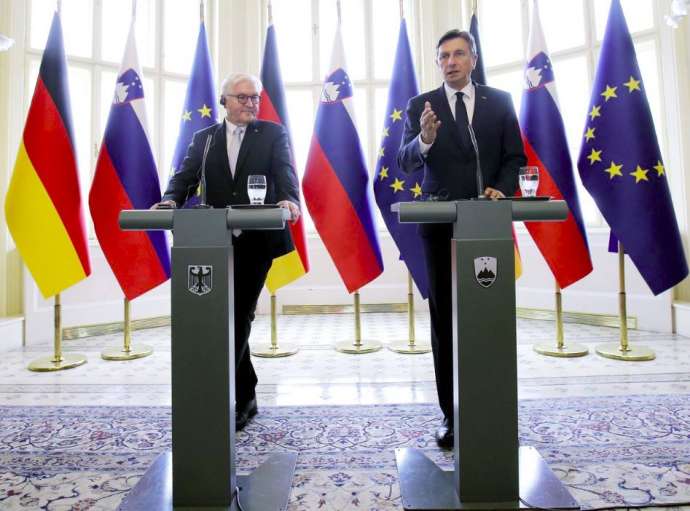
(293, 208)
(165, 204)
(492, 193)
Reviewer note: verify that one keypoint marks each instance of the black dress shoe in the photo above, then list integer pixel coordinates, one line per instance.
(244, 413)
(445, 436)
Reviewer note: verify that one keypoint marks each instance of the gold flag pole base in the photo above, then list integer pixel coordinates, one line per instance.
(127, 352)
(570, 350)
(407, 348)
(49, 364)
(273, 350)
(357, 347)
(132, 353)
(58, 361)
(631, 354)
(622, 350)
(560, 349)
(410, 346)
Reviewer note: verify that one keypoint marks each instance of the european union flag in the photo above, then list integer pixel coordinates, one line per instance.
(199, 110)
(621, 165)
(391, 185)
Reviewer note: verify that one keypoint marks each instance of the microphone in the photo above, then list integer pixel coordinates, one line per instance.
(202, 181)
(480, 178)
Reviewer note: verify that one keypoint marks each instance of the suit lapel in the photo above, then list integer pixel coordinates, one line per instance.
(479, 116)
(220, 150)
(440, 105)
(248, 142)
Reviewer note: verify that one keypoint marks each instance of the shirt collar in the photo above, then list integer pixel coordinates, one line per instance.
(230, 127)
(468, 90)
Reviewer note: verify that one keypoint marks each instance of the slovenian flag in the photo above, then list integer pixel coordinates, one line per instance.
(126, 178)
(43, 205)
(294, 264)
(336, 183)
(563, 244)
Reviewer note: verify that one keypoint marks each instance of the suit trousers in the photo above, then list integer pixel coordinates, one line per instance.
(437, 252)
(251, 266)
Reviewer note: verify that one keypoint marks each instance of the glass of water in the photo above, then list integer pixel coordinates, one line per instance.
(529, 181)
(256, 188)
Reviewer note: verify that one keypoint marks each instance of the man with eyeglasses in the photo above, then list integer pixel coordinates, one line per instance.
(437, 138)
(241, 145)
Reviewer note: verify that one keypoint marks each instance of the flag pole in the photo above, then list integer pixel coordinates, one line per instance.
(623, 351)
(357, 347)
(273, 350)
(561, 349)
(410, 347)
(127, 352)
(201, 11)
(58, 361)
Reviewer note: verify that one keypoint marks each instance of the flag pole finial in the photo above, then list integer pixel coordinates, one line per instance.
(340, 16)
(58, 7)
(270, 12)
(474, 6)
(201, 11)
(402, 11)
(134, 10)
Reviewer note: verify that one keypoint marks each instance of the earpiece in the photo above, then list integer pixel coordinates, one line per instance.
(222, 100)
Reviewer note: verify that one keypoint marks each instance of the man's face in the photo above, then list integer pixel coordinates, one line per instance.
(238, 113)
(455, 60)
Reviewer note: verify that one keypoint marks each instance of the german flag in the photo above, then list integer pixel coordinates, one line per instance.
(293, 265)
(43, 205)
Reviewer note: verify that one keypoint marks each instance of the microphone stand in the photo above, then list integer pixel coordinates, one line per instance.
(479, 176)
(202, 180)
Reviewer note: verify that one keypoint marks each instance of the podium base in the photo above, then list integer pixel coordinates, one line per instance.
(267, 488)
(132, 353)
(632, 354)
(567, 350)
(49, 364)
(405, 348)
(271, 351)
(424, 486)
(353, 348)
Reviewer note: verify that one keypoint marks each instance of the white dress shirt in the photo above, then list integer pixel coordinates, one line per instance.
(234, 141)
(468, 96)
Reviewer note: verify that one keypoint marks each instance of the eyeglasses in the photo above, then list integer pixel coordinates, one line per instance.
(243, 98)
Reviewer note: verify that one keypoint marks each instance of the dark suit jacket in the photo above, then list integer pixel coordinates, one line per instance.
(264, 150)
(450, 166)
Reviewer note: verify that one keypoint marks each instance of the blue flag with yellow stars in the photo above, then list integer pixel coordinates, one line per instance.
(199, 110)
(391, 185)
(621, 165)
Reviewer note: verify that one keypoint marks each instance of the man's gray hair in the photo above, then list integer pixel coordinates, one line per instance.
(235, 78)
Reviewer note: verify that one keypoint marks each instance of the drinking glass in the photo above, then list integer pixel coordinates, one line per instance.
(256, 188)
(529, 181)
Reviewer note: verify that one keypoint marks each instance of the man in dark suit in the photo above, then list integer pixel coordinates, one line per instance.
(239, 146)
(437, 138)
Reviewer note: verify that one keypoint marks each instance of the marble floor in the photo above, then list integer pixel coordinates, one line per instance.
(318, 374)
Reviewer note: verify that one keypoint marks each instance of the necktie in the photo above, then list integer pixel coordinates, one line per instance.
(461, 119)
(234, 149)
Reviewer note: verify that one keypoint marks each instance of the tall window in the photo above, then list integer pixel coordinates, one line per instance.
(574, 31)
(95, 32)
(305, 30)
